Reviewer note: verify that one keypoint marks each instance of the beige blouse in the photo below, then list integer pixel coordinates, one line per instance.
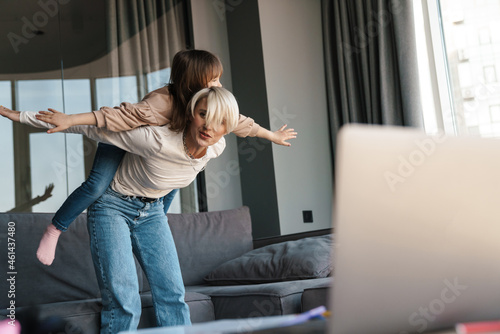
(155, 162)
(155, 109)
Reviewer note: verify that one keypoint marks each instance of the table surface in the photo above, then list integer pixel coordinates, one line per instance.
(317, 327)
(268, 325)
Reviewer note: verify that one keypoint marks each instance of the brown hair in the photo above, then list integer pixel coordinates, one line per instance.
(191, 71)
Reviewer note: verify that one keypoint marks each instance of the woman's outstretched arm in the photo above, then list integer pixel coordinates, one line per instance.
(63, 121)
(10, 114)
(53, 116)
(142, 141)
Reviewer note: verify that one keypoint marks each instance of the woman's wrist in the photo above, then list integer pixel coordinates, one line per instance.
(13, 115)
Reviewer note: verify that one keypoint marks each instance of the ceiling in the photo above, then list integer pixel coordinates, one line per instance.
(31, 40)
(40, 37)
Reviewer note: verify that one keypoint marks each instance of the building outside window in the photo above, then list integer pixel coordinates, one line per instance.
(459, 67)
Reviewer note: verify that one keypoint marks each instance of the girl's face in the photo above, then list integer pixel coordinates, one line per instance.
(202, 134)
(214, 82)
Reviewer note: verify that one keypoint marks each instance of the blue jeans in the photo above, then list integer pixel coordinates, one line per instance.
(120, 226)
(106, 161)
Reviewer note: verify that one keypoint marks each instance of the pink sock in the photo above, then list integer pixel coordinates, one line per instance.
(10, 327)
(47, 249)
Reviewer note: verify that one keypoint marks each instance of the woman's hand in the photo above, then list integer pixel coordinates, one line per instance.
(281, 136)
(59, 119)
(10, 114)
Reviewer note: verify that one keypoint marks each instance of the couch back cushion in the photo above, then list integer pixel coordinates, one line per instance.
(70, 277)
(205, 240)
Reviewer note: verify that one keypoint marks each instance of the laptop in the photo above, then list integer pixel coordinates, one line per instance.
(417, 229)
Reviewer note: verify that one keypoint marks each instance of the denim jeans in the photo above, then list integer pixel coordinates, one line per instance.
(106, 162)
(120, 226)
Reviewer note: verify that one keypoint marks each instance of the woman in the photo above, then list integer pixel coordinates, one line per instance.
(191, 71)
(129, 219)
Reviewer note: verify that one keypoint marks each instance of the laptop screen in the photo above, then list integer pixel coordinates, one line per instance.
(417, 227)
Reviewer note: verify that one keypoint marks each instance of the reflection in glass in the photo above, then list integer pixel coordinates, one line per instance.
(6, 152)
(89, 55)
(47, 154)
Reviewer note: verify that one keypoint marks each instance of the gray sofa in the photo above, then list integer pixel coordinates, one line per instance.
(215, 250)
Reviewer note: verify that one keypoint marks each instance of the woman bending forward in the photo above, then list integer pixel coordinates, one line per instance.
(129, 218)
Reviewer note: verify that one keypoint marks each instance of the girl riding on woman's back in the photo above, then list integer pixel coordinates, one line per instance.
(191, 71)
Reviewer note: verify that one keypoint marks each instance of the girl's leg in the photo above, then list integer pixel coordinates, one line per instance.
(109, 220)
(167, 200)
(106, 161)
(155, 250)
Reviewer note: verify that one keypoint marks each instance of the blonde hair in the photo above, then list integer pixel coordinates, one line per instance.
(221, 107)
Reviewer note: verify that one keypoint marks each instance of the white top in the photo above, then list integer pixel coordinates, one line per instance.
(158, 164)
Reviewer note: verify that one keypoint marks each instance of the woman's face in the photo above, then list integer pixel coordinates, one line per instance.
(202, 134)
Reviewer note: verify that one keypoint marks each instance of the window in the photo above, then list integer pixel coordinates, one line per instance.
(7, 201)
(495, 113)
(158, 79)
(55, 159)
(490, 74)
(461, 42)
(112, 91)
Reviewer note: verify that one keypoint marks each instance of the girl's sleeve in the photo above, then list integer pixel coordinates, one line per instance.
(154, 109)
(246, 127)
(144, 141)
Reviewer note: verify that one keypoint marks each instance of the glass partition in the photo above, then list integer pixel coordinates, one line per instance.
(7, 201)
(84, 54)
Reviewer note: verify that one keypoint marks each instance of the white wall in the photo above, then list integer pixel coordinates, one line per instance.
(294, 71)
(222, 174)
(295, 81)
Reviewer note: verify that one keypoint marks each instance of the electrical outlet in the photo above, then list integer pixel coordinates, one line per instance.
(307, 215)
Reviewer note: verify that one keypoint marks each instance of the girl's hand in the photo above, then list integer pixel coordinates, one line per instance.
(281, 136)
(52, 116)
(10, 114)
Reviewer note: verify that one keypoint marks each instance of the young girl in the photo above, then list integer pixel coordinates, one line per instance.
(191, 71)
(129, 219)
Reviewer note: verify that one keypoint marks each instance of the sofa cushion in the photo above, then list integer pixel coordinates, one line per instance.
(205, 240)
(84, 316)
(201, 308)
(286, 261)
(70, 277)
(258, 300)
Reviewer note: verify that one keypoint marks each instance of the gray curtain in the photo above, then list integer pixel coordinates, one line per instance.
(144, 35)
(371, 63)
